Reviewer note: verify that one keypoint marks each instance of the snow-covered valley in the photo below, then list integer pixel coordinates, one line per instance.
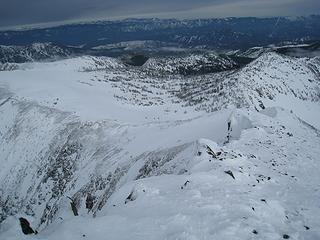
(146, 153)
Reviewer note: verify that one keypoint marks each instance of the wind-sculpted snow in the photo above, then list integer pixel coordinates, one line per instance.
(54, 150)
(49, 155)
(146, 155)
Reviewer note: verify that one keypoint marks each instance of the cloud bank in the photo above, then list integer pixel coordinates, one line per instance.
(23, 12)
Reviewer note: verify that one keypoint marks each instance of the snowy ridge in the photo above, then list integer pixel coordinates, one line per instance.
(34, 52)
(192, 64)
(101, 64)
(62, 155)
(8, 66)
(260, 83)
(166, 156)
(298, 50)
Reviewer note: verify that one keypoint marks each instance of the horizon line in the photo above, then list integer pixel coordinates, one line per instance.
(35, 26)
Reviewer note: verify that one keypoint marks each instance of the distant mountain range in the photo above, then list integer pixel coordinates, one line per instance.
(153, 55)
(226, 33)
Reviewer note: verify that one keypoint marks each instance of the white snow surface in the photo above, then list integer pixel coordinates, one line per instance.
(233, 156)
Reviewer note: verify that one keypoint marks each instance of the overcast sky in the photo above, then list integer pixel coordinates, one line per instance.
(24, 12)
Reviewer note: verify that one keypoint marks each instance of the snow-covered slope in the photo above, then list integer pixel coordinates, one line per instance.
(271, 80)
(150, 156)
(298, 50)
(192, 64)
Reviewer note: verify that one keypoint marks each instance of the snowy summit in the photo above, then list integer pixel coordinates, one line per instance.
(149, 140)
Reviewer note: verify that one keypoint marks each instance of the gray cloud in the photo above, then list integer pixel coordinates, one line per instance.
(21, 12)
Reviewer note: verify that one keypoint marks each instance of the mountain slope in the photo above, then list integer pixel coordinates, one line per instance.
(34, 52)
(160, 156)
(191, 65)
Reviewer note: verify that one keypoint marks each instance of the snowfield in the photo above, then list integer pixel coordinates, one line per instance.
(147, 155)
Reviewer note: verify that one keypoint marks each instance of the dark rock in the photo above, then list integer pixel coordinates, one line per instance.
(89, 202)
(285, 236)
(229, 172)
(185, 184)
(132, 196)
(229, 125)
(210, 152)
(74, 207)
(25, 226)
(255, 231)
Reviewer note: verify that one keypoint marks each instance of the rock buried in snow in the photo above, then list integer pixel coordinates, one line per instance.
(285, 236)
(89, 202)
(229, 172)
(237, 123)
(132, 196)
(185, 184)
(73, 207)
(210, 152)
(25, 226)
